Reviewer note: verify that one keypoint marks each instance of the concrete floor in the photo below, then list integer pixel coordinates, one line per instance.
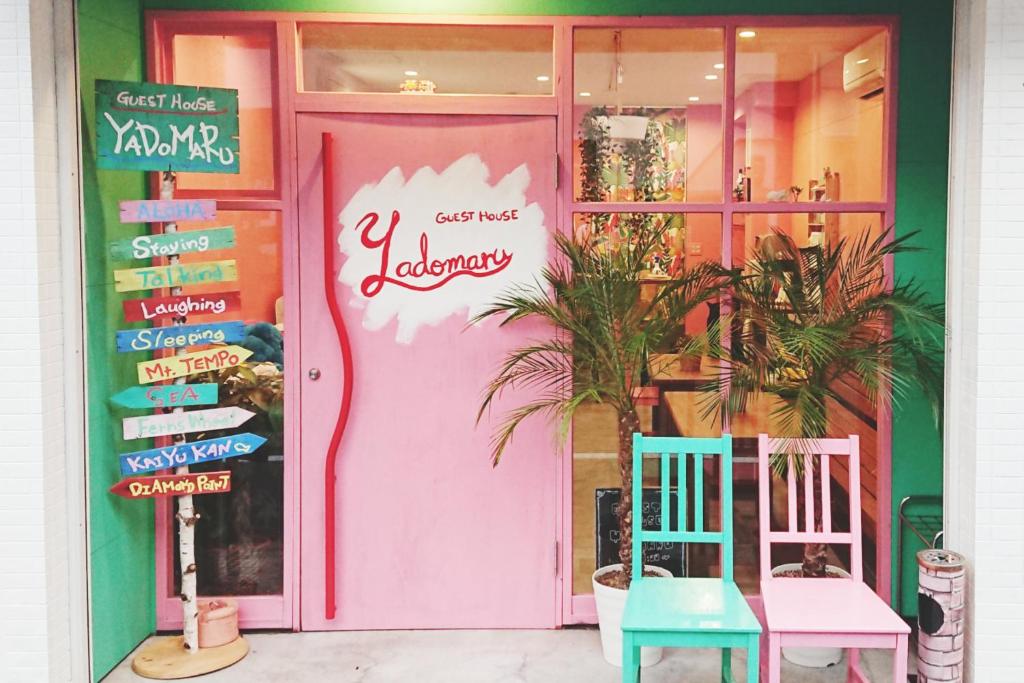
(566, 656)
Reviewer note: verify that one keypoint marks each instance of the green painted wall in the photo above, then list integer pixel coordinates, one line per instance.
(111, 46)
(121, 532)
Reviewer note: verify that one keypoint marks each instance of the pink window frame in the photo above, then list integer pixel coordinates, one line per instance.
(282, 612)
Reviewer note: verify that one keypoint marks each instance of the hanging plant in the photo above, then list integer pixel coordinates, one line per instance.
(595, 148)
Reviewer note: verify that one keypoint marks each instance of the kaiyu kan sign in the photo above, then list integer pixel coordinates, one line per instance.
(152, 126)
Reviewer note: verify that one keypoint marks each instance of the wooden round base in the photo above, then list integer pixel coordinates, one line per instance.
(167, 658)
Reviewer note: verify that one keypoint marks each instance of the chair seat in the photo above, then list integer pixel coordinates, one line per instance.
(794, 605)
(687, 604)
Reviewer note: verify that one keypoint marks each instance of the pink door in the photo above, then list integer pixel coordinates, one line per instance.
(431, 217)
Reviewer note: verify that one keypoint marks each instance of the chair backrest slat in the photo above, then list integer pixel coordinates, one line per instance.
(678, 448)
(826, 495)
(806, 450)
(808, 493)
(791, 483)
(681, 491)
(666, 508)
(698, 492)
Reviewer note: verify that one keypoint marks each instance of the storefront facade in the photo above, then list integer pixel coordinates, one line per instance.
(323, 128)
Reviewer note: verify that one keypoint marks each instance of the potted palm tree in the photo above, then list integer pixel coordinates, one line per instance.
(810, 318)
(602, 334)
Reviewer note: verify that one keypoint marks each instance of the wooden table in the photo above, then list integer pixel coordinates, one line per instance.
(666, 375)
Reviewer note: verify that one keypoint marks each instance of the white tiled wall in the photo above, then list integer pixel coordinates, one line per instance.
(985, 413)
(34, 625)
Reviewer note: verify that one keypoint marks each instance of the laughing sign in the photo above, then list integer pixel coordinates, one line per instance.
(439, 244)
(157, 127)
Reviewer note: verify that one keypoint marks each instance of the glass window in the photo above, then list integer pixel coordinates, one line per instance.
(239, 543)
(809, 113)
(648, 114)
(423, 59)
(244, 62)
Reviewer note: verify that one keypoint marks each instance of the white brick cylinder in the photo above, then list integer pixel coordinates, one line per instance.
(940, 616)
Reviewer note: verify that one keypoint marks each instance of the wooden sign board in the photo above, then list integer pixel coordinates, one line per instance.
(167, 396)
(179, 455)
(178, 336)
(173, 244)
(189, 422)
(669, 556)
(158, 307)
(173, 485)
(167, 210)
(216, 358)
(156, 127)
(177, 275)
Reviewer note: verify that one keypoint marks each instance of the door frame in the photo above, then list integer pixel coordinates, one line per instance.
(289, 101)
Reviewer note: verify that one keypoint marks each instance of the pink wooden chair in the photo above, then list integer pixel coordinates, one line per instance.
(821, 612)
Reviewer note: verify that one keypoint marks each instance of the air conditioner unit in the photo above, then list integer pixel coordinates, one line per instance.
(864, 67)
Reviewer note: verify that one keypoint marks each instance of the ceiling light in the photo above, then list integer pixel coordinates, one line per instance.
(694, 98)
(864, 60)
(584, 94)
(719, 66)
(543, 79)
(710, 77)
(411, 72)
(747, 33)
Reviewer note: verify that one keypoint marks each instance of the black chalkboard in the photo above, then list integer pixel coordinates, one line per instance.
(666, 555)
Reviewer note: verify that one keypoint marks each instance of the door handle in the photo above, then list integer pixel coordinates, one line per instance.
(314, 374)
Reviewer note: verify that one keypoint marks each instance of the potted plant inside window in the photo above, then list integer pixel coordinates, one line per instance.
(809, 318)
(603, 331)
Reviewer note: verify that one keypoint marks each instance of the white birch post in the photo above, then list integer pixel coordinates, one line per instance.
(186, 516)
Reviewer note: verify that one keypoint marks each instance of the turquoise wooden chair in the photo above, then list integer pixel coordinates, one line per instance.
(686, 612)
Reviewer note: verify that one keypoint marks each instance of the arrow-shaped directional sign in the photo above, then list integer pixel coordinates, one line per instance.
(217, 358)
(172, 244)
(157, 307)
(167, 396)
(177, 336)
(149, 426)
(173, 485)
(177, 275)
(192, 453)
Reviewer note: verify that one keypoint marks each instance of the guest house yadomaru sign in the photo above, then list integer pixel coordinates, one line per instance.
(421, 249)
(158, 127)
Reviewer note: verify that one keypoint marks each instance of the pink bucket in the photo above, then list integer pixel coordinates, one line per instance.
(218, 622)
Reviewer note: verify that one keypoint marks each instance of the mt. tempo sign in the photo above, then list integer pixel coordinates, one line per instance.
(158, 127)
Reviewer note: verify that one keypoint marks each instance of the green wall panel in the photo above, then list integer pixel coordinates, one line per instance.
(111, 48)
(121, 531)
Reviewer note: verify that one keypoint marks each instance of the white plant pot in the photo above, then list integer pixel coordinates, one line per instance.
(611, 603)
(624, 127)
(811, 657)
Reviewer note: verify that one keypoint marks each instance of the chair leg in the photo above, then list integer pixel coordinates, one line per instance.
(774, 658)
(726, 665)
(630, 659)
(899, 665)
(852, 665)
(753, 653)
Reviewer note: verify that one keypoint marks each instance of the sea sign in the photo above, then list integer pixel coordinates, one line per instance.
(155, 127)
(216, 358)
(167, 210)
(167, 396)
(178, 275)
(193, 453)
(172, 244)
(177, 336)
(181, 306)
(150, 426)
(173, 485)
